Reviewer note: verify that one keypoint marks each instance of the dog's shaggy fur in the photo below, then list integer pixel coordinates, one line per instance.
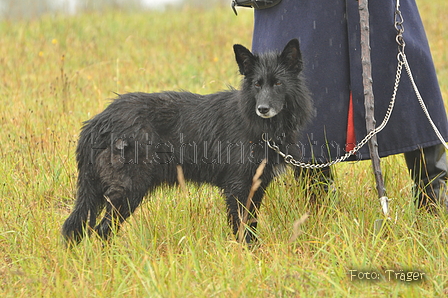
(136, 143)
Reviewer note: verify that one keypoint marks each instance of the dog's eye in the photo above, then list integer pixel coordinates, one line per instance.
(257, 84)
(278, 83)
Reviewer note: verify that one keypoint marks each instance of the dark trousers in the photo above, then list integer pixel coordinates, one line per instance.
(428, 168)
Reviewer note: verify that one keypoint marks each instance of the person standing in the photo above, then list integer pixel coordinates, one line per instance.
(329, 35)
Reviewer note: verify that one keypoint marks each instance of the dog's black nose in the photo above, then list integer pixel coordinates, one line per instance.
(263, 109)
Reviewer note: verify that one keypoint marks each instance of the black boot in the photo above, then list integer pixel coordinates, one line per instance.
(428, 167)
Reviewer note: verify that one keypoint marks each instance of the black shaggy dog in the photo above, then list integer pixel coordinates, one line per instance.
(136, 143)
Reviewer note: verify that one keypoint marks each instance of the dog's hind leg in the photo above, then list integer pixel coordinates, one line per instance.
(120, 204)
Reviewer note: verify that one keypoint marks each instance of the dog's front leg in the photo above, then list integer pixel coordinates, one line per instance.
(242, 211)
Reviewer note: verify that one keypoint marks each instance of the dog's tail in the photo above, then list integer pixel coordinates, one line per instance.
(89, 200)
(83, 217)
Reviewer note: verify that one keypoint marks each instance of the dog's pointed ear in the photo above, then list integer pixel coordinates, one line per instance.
(244, 58)
(292, 56)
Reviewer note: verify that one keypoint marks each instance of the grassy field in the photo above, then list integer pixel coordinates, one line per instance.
(59, 71)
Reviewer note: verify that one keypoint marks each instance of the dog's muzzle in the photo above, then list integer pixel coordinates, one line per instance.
(265, 111)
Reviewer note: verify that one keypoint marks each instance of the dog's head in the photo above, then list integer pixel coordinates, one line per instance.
(269, 76)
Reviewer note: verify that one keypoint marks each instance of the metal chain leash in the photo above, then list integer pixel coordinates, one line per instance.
(401, 61)
(422, 103)
(401, 56)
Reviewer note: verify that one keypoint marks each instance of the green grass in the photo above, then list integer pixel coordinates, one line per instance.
(59, 71)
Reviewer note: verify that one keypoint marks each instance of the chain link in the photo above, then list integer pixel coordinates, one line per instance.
(401, 61)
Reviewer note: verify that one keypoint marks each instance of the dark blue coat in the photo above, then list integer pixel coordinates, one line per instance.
(329, 35)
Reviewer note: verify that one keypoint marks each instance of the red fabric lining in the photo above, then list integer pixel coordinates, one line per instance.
(351, 137)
